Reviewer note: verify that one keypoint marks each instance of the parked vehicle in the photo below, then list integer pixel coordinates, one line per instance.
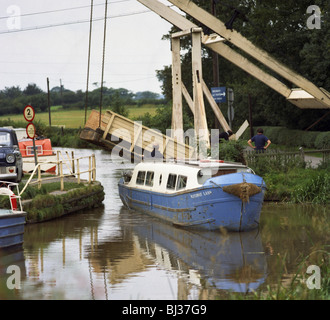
(11, 162)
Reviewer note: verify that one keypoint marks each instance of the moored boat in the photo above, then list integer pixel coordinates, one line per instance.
(12, 221)
(202, 194)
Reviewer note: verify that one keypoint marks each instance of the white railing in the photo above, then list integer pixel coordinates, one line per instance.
(72, 164)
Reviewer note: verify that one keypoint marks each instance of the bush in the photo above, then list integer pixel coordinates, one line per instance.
(295, 138)
(232, 150)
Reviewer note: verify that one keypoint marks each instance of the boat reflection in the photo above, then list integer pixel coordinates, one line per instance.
(204, 261)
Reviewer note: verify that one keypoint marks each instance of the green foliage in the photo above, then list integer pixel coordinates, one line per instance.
(277, 162)
(232, 150)
(315, 190)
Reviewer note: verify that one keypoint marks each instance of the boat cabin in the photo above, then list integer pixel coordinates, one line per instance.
(176, 177)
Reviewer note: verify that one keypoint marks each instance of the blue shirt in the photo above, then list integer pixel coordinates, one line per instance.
(259, 141)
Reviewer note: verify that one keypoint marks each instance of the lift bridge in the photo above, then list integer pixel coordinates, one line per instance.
(109, 129)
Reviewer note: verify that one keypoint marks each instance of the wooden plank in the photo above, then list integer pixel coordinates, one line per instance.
(124, 127)
(238, 40)
(215, 108)
(241, 130)
(187, 97)
(106, 131)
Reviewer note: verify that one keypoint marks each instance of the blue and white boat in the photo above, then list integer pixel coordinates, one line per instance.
(206, 194)
(12, 221)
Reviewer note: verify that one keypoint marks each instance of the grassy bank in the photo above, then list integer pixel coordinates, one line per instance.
(49, 203)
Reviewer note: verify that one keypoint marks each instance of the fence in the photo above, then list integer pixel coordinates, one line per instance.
(74, 170)
(323, 155)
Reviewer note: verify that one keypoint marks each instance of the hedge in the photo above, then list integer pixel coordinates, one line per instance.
(295, 138)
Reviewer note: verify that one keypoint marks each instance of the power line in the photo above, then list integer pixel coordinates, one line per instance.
(72, 22)
(61, 10)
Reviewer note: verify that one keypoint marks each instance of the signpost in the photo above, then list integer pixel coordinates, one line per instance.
(29, 114)
(219, 94)
(230, 106)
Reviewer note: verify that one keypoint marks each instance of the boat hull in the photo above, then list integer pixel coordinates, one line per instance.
(11, 228)
(208, 207)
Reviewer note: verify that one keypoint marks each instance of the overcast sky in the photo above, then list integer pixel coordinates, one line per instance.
(50, 39)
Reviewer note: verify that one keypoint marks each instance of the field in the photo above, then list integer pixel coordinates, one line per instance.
(75, 118)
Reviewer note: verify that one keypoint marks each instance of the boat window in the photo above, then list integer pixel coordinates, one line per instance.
(160, 179)
(140, 177)
(150, 178)
(171, 181)
(182, 182)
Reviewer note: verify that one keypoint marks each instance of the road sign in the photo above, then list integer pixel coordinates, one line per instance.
(29, 113)
(31, 130)
(219, 94)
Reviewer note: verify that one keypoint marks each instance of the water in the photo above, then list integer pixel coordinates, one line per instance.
(113, 253)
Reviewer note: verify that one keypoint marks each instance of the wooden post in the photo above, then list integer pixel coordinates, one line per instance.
(39, 177)
(200, 123)
(94, 167)
(72, 160)
(78, 171)
(177, 117)
(89, 170)
(61, 175)
(58, 162)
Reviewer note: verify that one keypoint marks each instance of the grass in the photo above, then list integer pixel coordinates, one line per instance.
(75, 118)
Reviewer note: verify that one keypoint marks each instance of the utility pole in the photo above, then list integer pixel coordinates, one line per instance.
(61, 88)
(48, 94)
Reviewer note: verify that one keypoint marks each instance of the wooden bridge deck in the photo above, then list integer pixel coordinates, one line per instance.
(130, 138)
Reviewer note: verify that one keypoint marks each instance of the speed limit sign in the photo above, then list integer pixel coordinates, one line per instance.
(29, 113)
(31, 130)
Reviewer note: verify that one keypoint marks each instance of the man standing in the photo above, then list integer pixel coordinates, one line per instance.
(259, 141)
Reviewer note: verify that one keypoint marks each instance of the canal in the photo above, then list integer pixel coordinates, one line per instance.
(113, 253)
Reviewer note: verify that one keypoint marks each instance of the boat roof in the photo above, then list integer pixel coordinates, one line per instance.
(189, 166)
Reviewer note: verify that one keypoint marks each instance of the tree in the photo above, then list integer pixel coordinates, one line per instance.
(32, 89)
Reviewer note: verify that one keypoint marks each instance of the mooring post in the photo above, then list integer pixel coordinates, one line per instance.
(94, 167)
(39, 176)
(89, 170)
(78, 171)
(61, 175)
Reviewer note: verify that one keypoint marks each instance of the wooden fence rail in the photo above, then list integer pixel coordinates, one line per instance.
(73, 165)
(252, 156)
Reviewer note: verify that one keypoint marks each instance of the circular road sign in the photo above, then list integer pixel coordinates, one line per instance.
(31, 130)
(29, 113)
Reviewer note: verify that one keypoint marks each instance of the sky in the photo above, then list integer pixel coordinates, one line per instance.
(46, 38)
